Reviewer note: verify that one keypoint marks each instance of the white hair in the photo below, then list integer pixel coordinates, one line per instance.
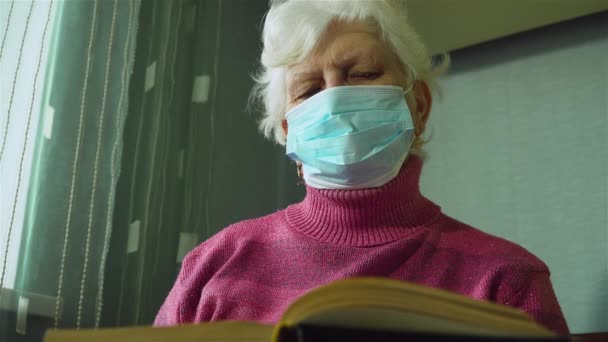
(292, 29)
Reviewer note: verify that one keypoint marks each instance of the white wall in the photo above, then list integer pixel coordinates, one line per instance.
(520, 149)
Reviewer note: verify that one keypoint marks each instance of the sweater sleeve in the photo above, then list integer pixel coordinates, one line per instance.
(537, 298)
(181, 304)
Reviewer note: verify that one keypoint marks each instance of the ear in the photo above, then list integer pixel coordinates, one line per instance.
(422, 107)
(284, 126)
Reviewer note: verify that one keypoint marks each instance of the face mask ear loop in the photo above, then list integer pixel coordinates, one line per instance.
(413, 78)
(405, 92)
(409, 88)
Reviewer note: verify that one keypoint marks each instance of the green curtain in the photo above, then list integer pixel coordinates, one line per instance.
(193, 160)
(155, 162)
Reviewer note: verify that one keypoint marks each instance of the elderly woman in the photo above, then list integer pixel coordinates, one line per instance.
(346, 86)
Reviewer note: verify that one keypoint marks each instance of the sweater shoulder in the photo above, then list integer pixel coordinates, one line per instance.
(251, 229)
(234, 236)
(493, 249)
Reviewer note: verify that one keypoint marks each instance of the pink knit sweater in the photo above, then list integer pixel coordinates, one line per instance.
(254, 269)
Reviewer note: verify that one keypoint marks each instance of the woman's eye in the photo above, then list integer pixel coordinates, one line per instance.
(308, 93)
(364, 75)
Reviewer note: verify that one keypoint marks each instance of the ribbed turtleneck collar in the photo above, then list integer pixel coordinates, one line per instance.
(366, 217)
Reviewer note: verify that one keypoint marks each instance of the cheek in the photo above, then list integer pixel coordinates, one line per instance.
(289, 105)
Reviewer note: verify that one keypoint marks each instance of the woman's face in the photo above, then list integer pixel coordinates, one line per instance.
(347, 54)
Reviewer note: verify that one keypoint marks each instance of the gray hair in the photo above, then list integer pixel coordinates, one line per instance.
(292, 29)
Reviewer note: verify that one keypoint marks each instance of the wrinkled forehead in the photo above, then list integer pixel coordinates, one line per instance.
(339, 36)
(344, 44)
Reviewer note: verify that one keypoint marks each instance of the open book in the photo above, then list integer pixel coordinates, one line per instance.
(359, 309)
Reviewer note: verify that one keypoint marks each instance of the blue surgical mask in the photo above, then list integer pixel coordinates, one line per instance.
(351, 137)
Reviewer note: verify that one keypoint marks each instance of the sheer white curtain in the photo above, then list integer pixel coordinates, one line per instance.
(26, 33)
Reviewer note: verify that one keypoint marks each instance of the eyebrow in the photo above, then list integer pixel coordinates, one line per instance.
(300, 80)
(350, 57)
(347, 59)
(303, 75)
